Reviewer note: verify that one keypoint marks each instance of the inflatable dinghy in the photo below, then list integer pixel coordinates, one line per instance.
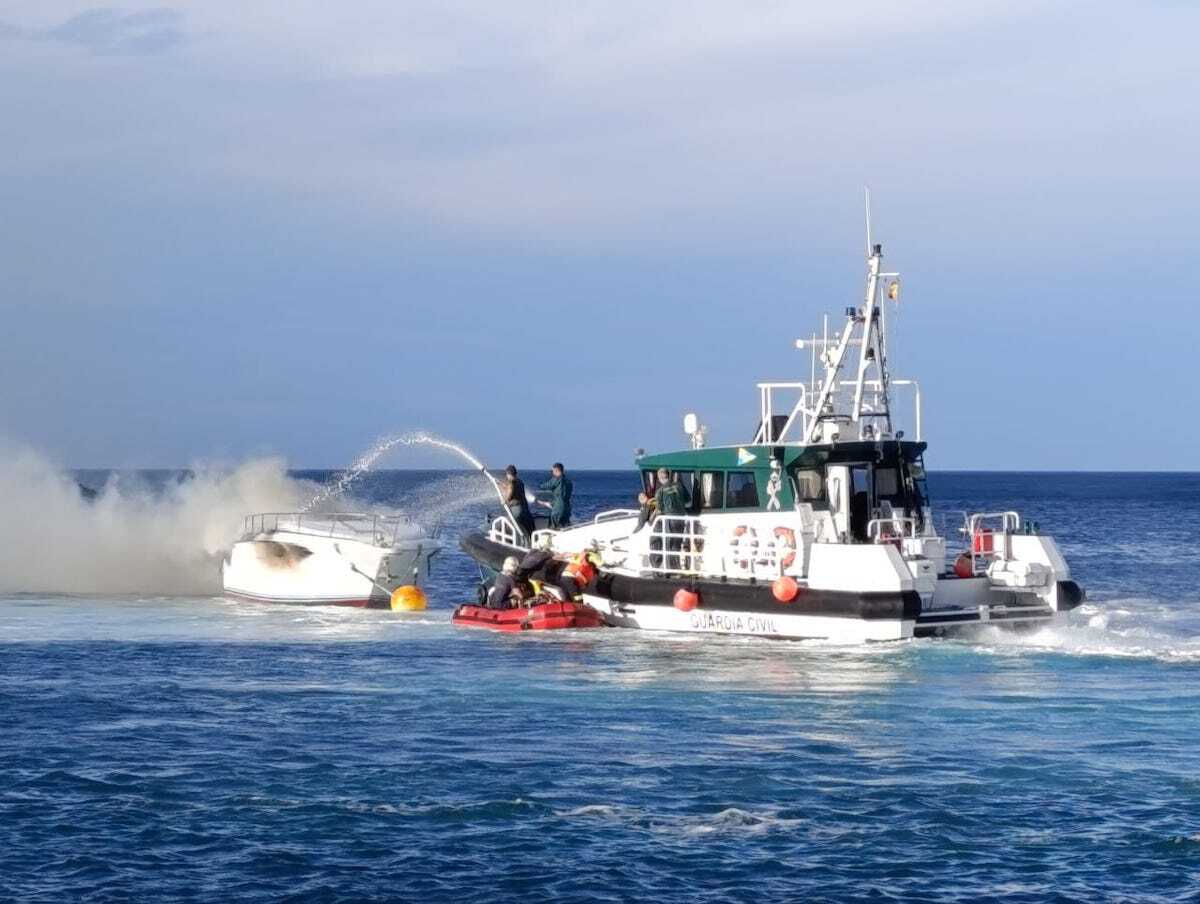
(542, 616)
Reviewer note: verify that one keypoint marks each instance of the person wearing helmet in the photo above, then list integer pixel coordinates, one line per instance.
(507, 591)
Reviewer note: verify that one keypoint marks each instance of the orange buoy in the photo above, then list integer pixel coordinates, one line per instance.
(409, 598)
(686, 600)
(964, 567)
(785, 589)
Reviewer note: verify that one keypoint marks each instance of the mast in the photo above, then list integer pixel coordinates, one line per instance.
(871, 349)
(872, 344)
(869, 405)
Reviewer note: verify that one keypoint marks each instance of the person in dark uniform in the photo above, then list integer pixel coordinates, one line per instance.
(645, 510)
(671, 498)
(560, 501)
(516, 501)
(507, 590)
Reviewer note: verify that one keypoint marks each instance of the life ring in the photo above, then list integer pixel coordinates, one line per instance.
(788, 536)
(745, 545)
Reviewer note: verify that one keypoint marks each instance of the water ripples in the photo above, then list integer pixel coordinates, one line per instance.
(193, 749)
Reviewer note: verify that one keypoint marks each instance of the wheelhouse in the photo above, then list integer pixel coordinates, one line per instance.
(855, 482)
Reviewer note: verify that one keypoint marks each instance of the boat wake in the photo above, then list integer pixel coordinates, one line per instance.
(1130, 627)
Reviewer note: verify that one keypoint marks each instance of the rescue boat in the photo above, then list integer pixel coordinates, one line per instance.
(542, 616)
(819, 526)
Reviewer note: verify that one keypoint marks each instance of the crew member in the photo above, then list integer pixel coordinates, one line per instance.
(507, 591)
(578, 573)
(671, 498)
(517, 502)
(560, 501)
(645, 510)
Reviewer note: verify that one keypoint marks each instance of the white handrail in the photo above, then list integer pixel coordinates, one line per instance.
(699, 553)
(503, 531)
(1010, 522)
(379, 530)
(882, 530)
(540, 536)
(982, 539)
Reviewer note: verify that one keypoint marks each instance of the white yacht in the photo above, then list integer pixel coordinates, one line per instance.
(819, 526)
(327, 559)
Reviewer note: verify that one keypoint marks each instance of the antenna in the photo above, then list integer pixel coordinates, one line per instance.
(867, 200)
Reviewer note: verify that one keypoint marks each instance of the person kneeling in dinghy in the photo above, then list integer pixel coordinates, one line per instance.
(508, 590)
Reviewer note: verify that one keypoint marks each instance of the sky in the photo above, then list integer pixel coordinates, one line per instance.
(549, 230)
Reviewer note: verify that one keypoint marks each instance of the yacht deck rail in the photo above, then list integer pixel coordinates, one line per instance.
(364, 527)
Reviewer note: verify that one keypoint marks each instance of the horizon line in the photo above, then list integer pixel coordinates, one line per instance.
(292, 470)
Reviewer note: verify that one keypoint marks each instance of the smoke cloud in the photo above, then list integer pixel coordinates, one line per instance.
(133, 538)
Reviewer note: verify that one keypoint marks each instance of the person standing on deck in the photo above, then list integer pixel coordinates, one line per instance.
(561, 488)
(672, 499)
(517, 502)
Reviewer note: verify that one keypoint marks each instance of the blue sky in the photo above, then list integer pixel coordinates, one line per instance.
(549, 230)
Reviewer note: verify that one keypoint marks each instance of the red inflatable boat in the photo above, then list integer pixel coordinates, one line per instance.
(540, 617)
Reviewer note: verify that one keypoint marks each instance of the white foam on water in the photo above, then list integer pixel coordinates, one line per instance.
(1130, 627)
(730, 821)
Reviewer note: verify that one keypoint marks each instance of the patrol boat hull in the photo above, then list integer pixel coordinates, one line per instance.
(941, 605)
(730, 607)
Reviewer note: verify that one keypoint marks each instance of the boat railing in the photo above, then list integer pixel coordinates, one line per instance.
(674, 545)
(680, 545)
(989, 535)
(796, 414)
(542, 538)
(365, 527)
(891, 530)
(800, 414)
(503, 530)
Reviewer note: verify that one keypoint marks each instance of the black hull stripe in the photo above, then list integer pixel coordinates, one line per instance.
(728, 596)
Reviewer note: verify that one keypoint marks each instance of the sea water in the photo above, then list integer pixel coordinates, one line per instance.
(188, 748)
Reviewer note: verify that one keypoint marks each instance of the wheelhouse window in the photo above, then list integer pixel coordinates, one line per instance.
(686, 479)
(810, 486)
(712, 489)
(887, 484)
(741, 490)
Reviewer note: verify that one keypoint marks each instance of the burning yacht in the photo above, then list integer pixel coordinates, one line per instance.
(329, 559)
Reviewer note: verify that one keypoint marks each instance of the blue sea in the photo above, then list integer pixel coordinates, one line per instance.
(168, 748)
